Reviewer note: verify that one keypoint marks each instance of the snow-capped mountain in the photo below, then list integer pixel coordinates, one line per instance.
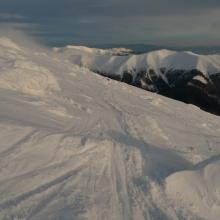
(79, 146)
(184, 76)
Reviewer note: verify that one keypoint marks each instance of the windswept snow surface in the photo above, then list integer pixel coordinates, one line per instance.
(77, 146)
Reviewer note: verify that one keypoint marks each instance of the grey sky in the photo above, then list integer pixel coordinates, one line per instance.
(169, 22)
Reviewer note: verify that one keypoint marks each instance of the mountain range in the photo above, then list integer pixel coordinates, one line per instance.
(184, 75)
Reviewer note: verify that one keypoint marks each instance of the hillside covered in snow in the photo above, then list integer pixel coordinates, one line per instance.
(79, 146)
(184, 76)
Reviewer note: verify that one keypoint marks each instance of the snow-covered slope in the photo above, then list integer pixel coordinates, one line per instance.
(75, 145)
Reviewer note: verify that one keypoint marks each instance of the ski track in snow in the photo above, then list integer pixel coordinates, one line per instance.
(83, 147)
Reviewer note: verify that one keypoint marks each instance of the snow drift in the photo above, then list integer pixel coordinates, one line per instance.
(75, 145)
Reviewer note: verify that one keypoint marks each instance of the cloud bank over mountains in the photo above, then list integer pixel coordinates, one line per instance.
(165, 22)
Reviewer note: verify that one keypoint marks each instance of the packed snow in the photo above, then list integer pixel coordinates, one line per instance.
(77, 146)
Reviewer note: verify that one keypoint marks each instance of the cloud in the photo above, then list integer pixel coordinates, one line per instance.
(107, 7)
(11, 16)
(109, 21)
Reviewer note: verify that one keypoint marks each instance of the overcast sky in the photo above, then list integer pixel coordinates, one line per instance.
(166, 22)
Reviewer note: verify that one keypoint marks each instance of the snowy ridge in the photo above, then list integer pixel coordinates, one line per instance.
(85, 147)
(83, 50)
(105, 62)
